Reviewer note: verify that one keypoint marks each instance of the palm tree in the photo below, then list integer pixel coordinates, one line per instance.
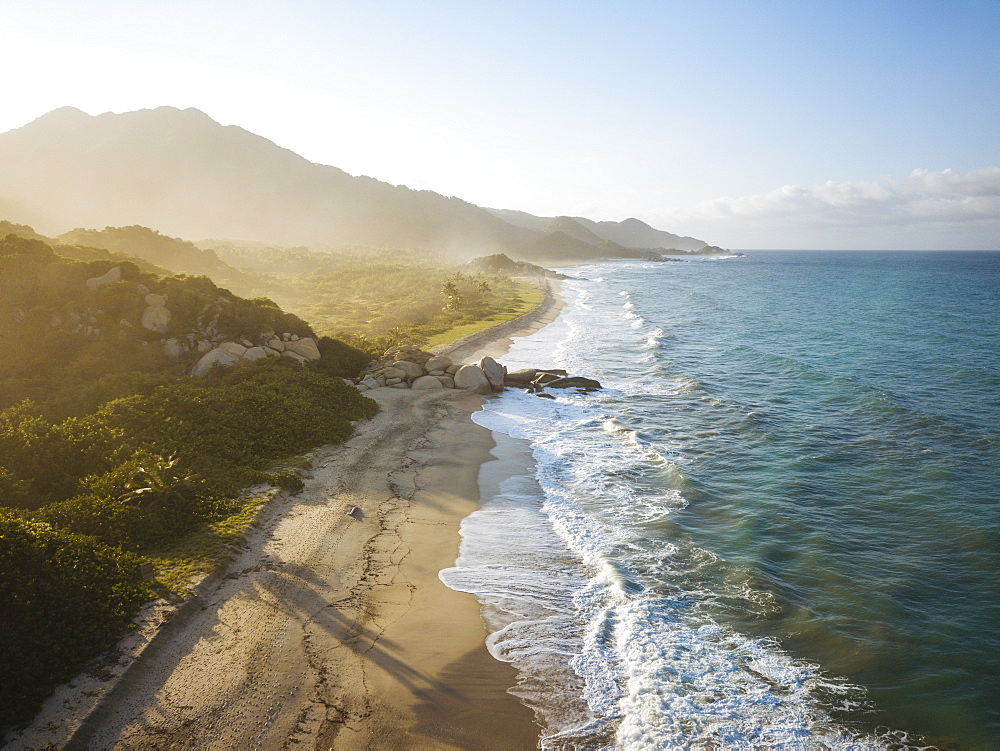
(452, 297)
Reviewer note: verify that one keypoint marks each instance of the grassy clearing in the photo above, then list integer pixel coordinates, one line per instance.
(531, 297)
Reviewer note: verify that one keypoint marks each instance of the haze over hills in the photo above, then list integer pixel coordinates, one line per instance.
(628, 233)
(184, 174)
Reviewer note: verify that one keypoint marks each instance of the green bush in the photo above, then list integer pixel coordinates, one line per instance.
(341, 359)
(140, 502)
(287, 481)
(219, 433)
(31, 447)
(63, 599)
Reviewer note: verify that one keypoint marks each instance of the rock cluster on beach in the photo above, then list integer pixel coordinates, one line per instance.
(409, 367)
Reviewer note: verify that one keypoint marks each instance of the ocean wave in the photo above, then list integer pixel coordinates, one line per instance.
(625, 613)
(626, 632)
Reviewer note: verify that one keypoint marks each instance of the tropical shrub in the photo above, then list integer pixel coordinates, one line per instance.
(341, 359)
(63, 599)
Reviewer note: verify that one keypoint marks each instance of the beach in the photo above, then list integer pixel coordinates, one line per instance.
(331, 628)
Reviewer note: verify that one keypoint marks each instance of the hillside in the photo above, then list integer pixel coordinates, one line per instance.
(187, 175)
(78, 332)
(178, 255)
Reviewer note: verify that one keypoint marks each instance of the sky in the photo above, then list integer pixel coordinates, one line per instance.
(764, 124)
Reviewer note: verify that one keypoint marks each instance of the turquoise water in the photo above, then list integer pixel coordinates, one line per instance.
(778, 524)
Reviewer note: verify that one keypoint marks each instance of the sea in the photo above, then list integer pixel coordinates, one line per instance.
(777, 525)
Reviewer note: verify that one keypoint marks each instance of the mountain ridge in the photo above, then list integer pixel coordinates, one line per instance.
(628, 233)
(187, 175)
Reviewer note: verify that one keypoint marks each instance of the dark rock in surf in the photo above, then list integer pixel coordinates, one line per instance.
(587, 384)
(522, 377)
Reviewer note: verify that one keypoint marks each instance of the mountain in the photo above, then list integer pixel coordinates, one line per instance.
(186, 175)
(634, 233)
(573, 228)
(629, 233)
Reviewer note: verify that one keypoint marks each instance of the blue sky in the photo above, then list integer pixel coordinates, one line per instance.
(748, 124)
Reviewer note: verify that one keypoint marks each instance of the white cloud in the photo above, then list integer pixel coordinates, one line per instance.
(926, 206)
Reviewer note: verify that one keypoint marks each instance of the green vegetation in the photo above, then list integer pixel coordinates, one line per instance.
(375, 298)
(158, 475)
(70, 348)
(530, 298)
(63, 599)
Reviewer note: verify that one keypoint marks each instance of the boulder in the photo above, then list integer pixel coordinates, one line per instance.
(494, 372)
(427, 382)
(404, 352)
(293, 355)
(473, 378)
(452, 369)
(588, 384)
(210, 359)
(233, 348)
(306, 346)
(391, 372)
(255, 353)
(156, 318)
(276, 344)
(370, 383)
(412, 370)
(204, 345)
(114, 275)
(520, 377)
(447, 381)
(438, 363)
(156, 300)
(543, 378)
(173, 349)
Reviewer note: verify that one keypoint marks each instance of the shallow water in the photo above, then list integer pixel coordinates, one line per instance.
(776, 525)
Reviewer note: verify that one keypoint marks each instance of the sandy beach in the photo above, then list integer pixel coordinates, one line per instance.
(333, 630)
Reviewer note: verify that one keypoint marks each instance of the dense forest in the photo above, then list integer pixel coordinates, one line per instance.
(112, 455)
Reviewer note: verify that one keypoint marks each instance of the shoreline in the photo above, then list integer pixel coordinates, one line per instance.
(329, 629)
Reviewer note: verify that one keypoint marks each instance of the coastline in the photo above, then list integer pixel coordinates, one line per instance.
(329, 629)
(496, 340)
